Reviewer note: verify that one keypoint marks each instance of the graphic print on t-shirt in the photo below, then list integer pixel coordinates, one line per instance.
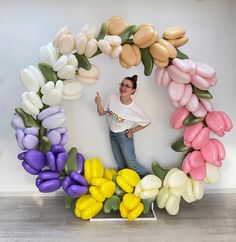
(115, 117)
(123, 117)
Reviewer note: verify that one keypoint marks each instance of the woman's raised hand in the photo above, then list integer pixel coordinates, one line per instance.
(98, 99)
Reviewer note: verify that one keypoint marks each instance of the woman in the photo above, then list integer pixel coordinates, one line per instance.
(125, 119)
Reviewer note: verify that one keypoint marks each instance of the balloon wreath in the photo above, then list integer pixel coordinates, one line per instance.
(64, 68)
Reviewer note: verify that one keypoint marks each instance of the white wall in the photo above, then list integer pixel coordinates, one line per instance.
(27, 25)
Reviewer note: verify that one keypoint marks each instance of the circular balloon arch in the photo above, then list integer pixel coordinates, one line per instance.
(65, 67)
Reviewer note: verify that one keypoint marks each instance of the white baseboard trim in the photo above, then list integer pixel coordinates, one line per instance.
(61, 193)
(220, 191)
(31, 194)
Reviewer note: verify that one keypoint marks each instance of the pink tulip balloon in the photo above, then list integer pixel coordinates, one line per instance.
(186, 96)
(191, 132)
(196, 159)
(158, 75)
(176, 91)
(200, 112)
(177, 75)
(198, 173)
(216, 123)
(220, 148)
(210, 152)
(165, 79)
(201, 139)
(182, 65)
(193, 103)
(205, 70)
(178, 117)
(186, 167)
(200, 82)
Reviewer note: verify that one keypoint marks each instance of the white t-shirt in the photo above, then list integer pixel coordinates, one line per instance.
(121, 116)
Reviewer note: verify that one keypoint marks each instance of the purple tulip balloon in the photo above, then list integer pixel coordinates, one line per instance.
(56, 149)
(27, 138)
(57, 158)
(58, 136)
(17, 122)
(48, 181)
(52, 117)
(75, 185)
(78, 178)
(33, 161)
(48, 174)
(49, 111)
(30, 169)
(80, 163)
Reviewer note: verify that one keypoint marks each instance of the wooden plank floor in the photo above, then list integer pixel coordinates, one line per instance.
(44, 219)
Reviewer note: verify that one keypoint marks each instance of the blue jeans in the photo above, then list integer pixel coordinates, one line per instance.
(124, 153)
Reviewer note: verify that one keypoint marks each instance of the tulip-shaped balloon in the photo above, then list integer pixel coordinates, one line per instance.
(178, 117)
(52, 117)
(176, 35)
(201, 75)
(17, 122)
(64, 41)
(58, 136)
(110, 45)
(169, 201)
(196, 136)
(33, 161)
(148, 187)
(85, 46)
(195, 165)
(52, 93)
(27, 138)
(56, 158)
(219, 122)
(187, 84)
(48, 54)
(130, 56)
(48, 181)
(88, 77)
(75, 185)
(213, 152)
(86, 42)
(31, 103)
(145, 36)
(93, 168)
(193, 191)
(65, 67)
(127, 179)
(101, 189)
(130, 207)
(32, 78)
(173, 187)
(72, 89)
(212, 174)
(87, 207)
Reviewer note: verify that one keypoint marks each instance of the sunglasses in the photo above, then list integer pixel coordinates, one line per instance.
(125, 85)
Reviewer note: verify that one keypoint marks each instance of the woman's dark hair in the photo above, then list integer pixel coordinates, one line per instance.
(133, 79)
